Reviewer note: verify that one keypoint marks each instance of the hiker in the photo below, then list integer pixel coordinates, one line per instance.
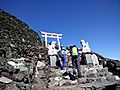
(75, 59)
(51, 48)
(52, 52)
(62, 55)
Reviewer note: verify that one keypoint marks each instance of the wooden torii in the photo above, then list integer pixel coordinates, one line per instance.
(52, 35)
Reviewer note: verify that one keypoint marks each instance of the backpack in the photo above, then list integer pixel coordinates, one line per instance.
(74, 51)
(61, 53)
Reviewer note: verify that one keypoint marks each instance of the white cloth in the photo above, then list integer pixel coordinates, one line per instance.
(51, 48)
(53, 61)
(85, 46)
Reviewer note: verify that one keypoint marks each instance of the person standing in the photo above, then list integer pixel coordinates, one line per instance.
(62, 55)
(75, 59)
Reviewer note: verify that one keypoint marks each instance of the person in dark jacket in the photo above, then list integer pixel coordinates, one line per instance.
(75, 59)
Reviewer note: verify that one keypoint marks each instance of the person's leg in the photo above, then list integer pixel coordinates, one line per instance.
(62, 64)
(73, 64)
(64, 61)
(78, 66)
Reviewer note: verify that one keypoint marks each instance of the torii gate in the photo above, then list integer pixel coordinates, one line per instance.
(52, 35)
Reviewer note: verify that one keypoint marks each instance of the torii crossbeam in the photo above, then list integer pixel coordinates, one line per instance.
(52, 35)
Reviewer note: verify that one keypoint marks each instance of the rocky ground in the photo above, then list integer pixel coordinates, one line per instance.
(94, 78)
(20, 43)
